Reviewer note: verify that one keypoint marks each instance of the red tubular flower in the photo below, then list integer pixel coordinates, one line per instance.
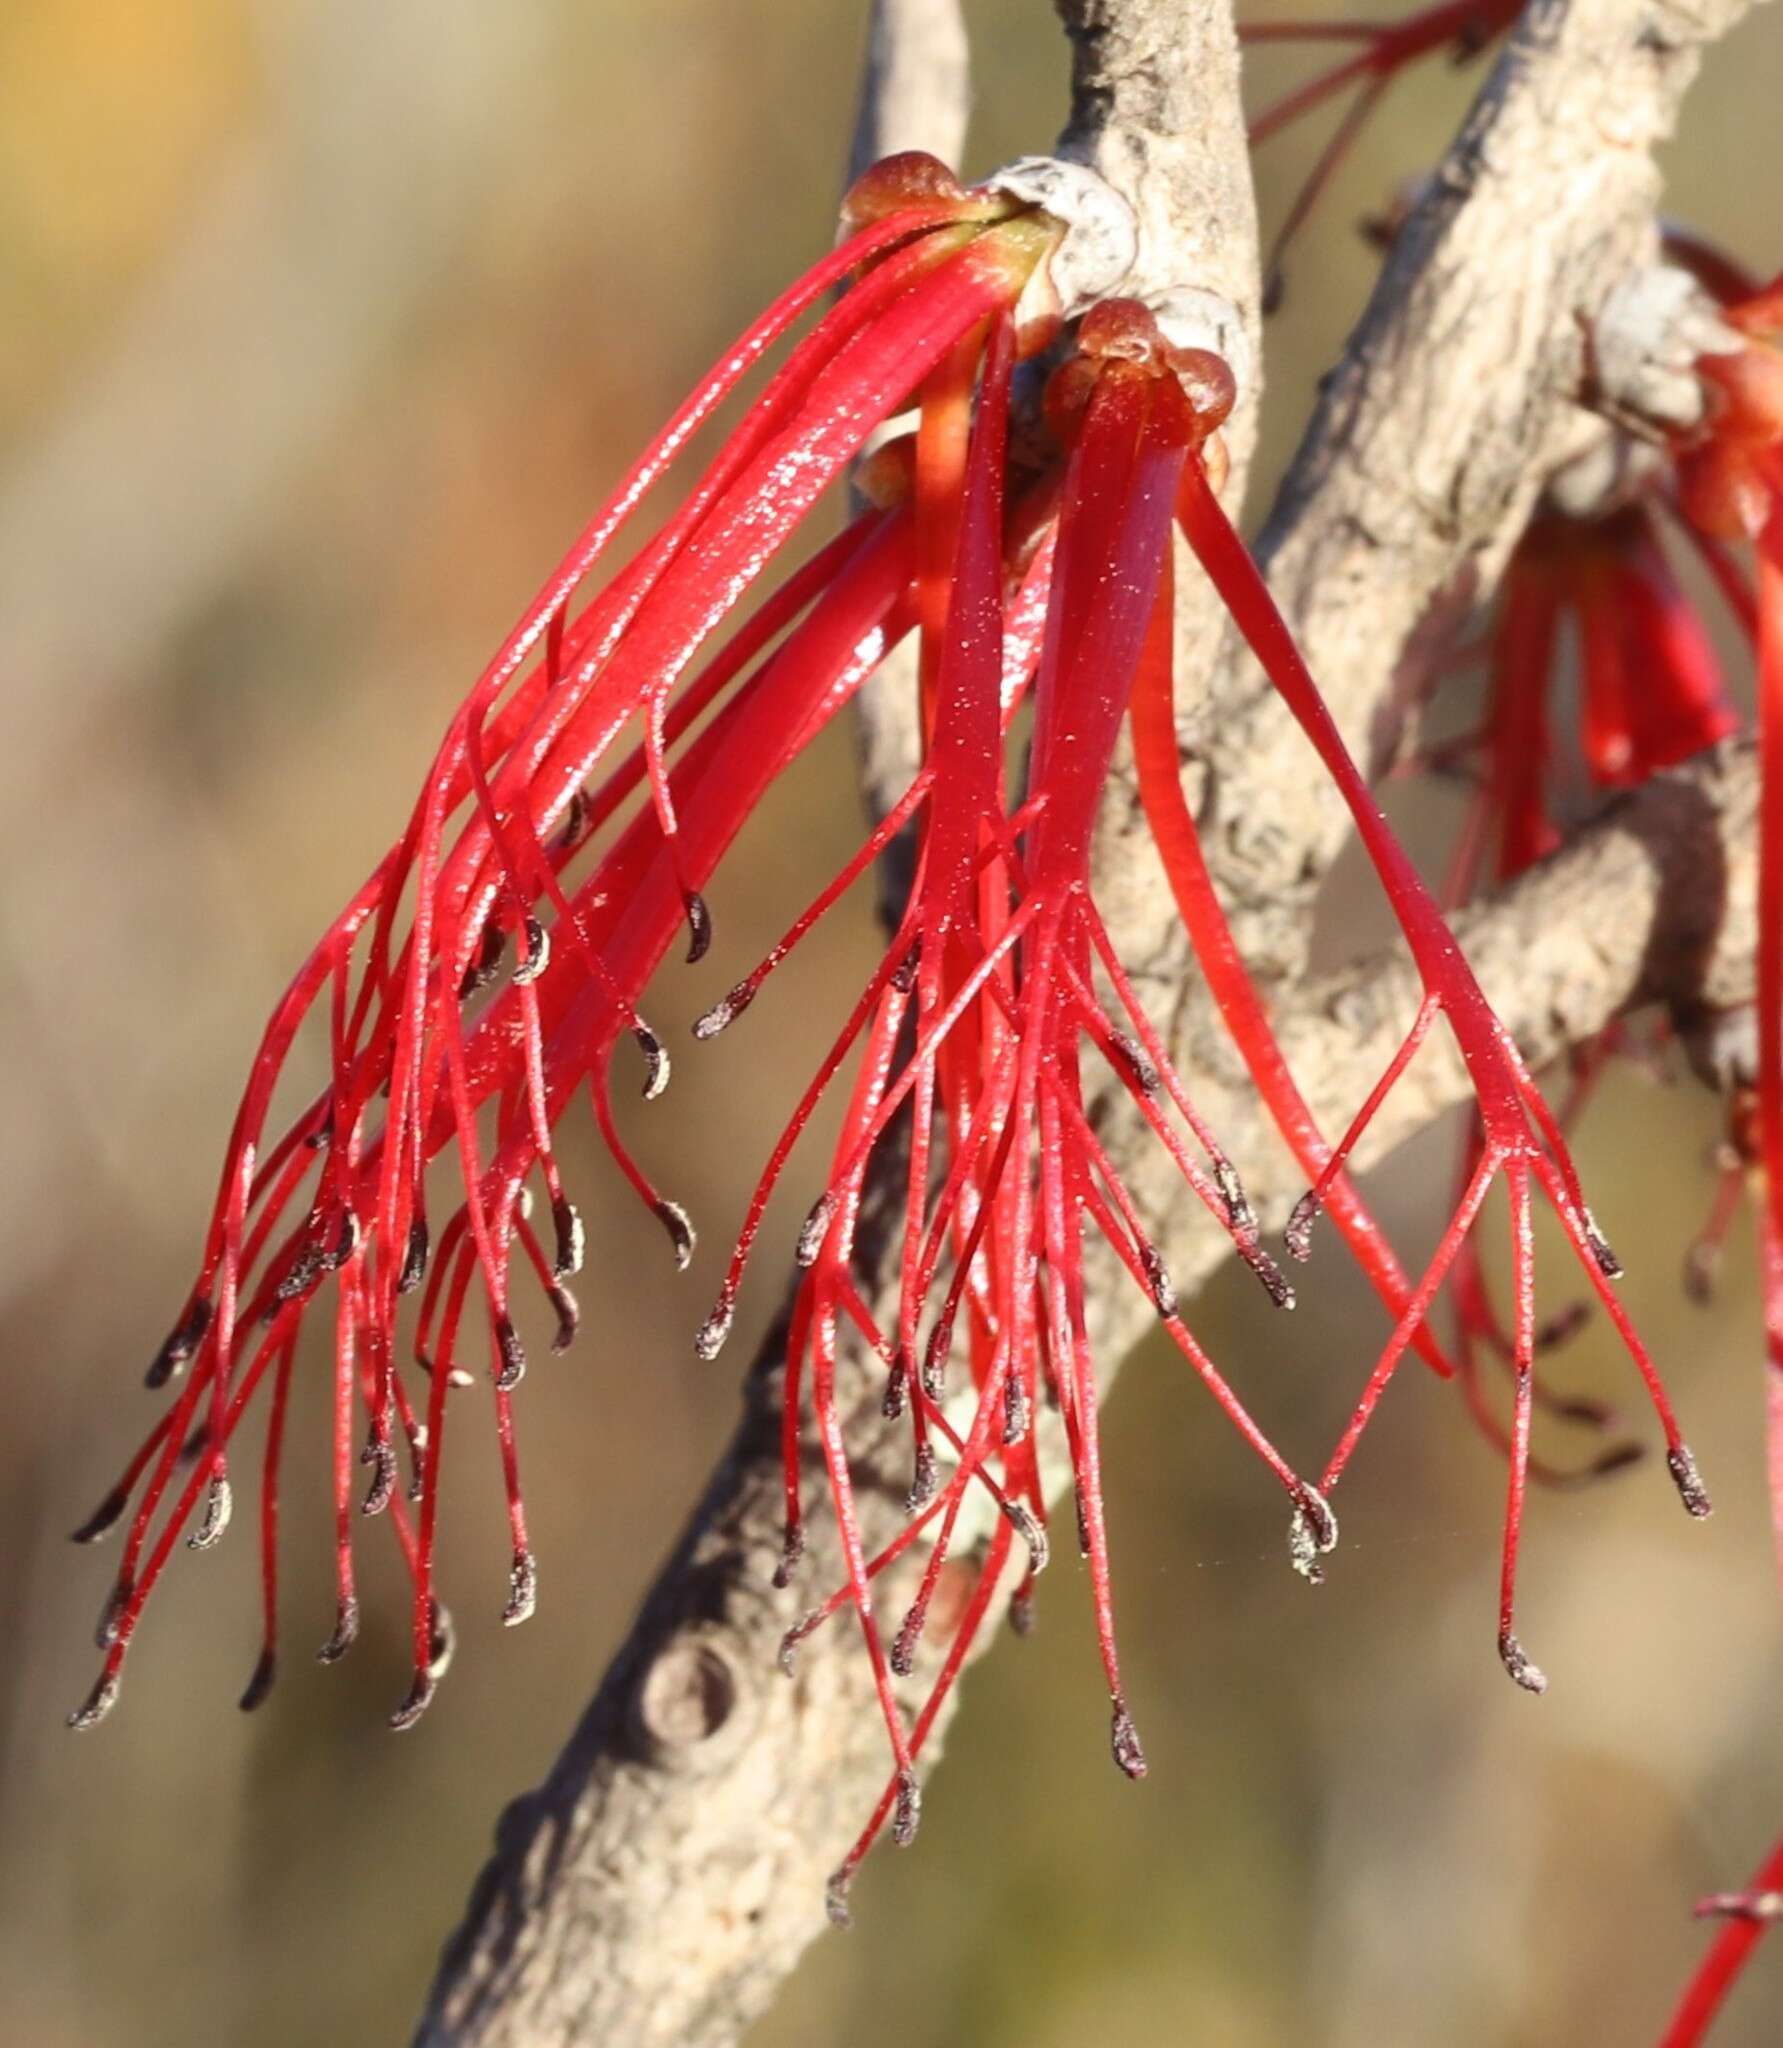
(1652, 695)
(1521, 1137)
(505, 812)
(991, 971)
(1731, 489)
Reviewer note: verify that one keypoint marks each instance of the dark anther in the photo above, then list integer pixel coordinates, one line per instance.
(1702, 1263)
(485, 963)
(1015, 1409)
(569, 1317)
(1268, 1272)
(97, 1704)
(897, 1389)
(571, 1239)
(903, 977)
(104, 1517)
(182, 1341)
(1239, 1212)
(1163, 1293)
(382, 1457)
(1021, 1610)
(835, 1898)
(1124, 1740)
(725, 1012)
(414, 1260)
(815, 1229)
(903, 1649)
(1689, 1482)
(1312, 1534)
(346, 1632)
(908, 1813)
(442, 1640)
(788, 1655)
(112, 1613)
(575, 821)
(513, 1357)
(456, 1376)
(1617, 1458)
(300, 1276)
(699, 925)
(1141, 1074)
(219, 1505)
(538, 954)
(344, 1246)
(1032, 1531)
(709, 1339)
(1562, 1327)
(523, 1589)
(673, 1219)
(656, 1059)
(1530, 1676)
(791, 1551)
(922, 1484)
(1607, 1262)
(934, 1360)
(1298, 1235)
(266, 1669)
(416, 1701)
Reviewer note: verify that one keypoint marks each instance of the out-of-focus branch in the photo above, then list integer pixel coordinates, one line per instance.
(671, 1869)
(916, 93)
(1456, 398)
(1655, 902)
(916, 85)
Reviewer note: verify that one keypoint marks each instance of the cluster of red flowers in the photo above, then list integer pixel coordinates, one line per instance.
(1651, 693)
(1033, 571)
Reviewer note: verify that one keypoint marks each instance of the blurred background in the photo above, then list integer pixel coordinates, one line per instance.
(326, 326)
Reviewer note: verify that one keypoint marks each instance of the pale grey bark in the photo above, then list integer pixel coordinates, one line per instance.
(670, 1871)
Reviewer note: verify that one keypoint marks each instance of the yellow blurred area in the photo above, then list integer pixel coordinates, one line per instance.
(328, 324)
(111, 113)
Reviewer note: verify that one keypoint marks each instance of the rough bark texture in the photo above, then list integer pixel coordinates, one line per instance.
(670, 1871)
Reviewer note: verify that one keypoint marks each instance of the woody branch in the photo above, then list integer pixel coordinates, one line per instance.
(667, 1875)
